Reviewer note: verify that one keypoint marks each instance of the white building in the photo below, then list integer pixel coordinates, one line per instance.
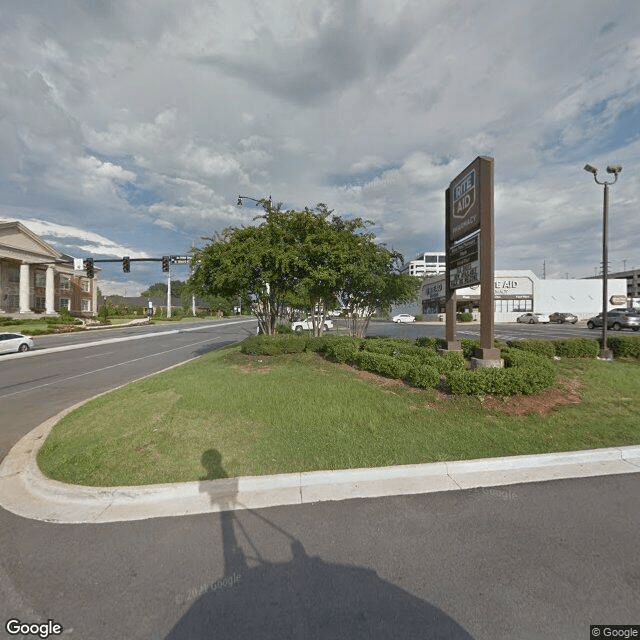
(519, 291)
(426, 264)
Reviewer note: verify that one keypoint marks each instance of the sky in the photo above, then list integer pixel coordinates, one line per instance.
(130, 127)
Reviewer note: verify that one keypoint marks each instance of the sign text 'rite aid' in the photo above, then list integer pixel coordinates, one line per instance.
(465, 204)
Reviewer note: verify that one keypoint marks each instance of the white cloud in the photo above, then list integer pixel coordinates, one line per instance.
(146, 120)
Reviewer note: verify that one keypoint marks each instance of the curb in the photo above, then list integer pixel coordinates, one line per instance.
(26, 492)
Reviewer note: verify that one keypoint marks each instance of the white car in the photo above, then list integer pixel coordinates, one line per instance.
(307, 324)
(533, 318)
(14, 342)
(403, 317)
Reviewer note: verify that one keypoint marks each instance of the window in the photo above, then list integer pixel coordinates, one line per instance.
(85, 285)
(14, 274)
(85, 304)
(64, 304)
(40, 279)
(39, 303)
(65, 283)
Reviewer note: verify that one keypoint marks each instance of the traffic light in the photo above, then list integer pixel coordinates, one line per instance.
(88, 265)
(165, 264)
(126, 264)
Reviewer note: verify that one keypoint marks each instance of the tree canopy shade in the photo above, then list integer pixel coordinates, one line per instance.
(310, 259)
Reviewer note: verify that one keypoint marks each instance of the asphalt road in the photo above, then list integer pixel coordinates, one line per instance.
(519, 562)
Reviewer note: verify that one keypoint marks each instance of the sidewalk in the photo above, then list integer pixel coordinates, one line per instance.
(25, 491)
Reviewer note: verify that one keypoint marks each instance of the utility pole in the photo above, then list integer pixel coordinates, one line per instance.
(169, 293)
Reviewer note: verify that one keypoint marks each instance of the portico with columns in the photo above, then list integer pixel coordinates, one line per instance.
(37, 279)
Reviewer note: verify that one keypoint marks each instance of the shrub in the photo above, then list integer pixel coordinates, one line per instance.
(423, 376)
(465, 317)
(343, 349)
(524, 373)
(419, 318)
(624, 346)
(469, 346)
(430, 342)
(545, 348)
(383, 364)
(283, 328)
(577, 348)
(389, 346)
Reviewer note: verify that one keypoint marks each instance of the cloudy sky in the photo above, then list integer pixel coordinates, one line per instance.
(130, 127)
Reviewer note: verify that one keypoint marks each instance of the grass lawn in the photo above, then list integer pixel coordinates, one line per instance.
(228, 414)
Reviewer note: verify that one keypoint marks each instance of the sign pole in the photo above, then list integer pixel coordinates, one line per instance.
(453, 344)
(487, 355)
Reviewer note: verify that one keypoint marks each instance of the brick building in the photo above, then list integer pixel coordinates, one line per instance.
(37, 279)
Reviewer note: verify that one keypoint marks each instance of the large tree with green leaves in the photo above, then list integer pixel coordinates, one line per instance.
(309, 259)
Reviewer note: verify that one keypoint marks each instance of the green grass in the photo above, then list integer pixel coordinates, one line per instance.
(227, 415)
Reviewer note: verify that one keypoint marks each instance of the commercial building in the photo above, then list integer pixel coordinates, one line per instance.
(35, 278)
(425, 264)
(520, 291)
(632, 276)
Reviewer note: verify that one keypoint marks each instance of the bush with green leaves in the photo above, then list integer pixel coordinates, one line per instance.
(264, 345)
(383, 364)
(577, 348)
(430, 342)
(624, 346)
(545, 348)
(423, 376)
(343, 349)
(465, 317)
(524, 373)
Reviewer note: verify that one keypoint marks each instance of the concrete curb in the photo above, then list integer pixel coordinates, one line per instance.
(25, 491)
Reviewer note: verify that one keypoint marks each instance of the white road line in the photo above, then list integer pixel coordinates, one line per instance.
(111, 366)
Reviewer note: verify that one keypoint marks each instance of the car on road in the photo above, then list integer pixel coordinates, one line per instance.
(404, 317)
(15, 342)
(533, 318)
(307, 324)
(562, 318)
(616, 320)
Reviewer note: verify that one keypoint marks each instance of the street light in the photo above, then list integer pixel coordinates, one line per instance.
(258, 202)
(614, 169)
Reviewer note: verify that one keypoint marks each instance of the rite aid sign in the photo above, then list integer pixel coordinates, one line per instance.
(465, 202)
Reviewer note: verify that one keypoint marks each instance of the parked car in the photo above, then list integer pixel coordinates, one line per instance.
(14, 342)
(404, 317)
(307, 324)
(616, 320)
(561, 317)
(533, 318)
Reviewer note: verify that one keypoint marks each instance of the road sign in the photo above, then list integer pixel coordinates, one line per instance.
(615, 300)
(180, 260)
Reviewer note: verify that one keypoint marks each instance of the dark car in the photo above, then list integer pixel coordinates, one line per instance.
(616, 320)
(561, 317)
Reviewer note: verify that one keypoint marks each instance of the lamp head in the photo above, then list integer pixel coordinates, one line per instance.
(590, 169)
(614, 168)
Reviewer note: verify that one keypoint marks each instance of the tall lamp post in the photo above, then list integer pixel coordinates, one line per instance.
(614, 169)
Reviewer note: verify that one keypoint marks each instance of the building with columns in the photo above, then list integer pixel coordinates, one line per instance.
(37, 279)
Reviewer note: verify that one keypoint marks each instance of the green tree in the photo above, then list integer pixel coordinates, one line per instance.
(309, 259)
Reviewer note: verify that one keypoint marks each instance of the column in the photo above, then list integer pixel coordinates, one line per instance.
(24, 289)
(49, 301)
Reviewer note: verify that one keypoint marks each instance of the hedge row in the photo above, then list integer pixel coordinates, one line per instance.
(565, 348)
(624, 346)
(524, 373)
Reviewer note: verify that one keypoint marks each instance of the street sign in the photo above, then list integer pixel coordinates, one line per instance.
(616, 300)
(464, 263)
(78, 264)
(180, 260)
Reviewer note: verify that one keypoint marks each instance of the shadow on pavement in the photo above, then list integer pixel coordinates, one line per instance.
(303, 597)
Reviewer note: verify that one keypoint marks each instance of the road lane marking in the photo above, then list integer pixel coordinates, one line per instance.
(111, 366)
